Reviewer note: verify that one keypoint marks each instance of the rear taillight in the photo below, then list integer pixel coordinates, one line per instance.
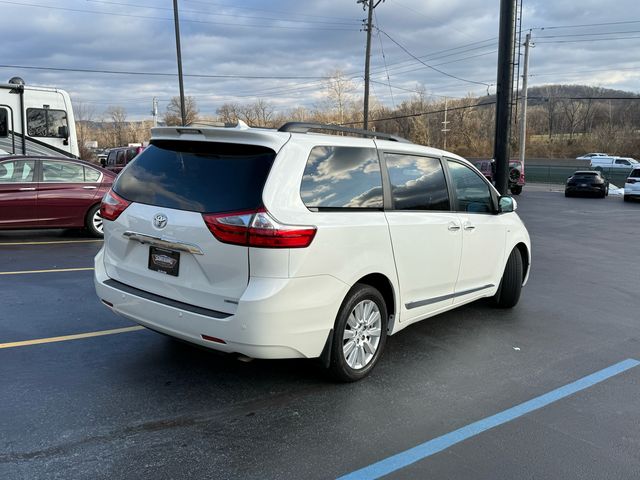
(112, 206)
(257, 228)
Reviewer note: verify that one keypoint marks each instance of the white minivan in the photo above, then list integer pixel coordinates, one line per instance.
(292, 244)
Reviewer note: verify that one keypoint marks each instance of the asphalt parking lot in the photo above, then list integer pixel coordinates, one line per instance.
(135, 404)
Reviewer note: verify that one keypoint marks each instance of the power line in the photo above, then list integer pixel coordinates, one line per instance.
(162, 74)
(587, 34)
(153, 7)
(129, 15)
(239, 7)
(555, 27)
(430, 66)
(419, 114)
(588, 40)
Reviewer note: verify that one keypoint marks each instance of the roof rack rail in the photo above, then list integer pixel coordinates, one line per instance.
(304, 127)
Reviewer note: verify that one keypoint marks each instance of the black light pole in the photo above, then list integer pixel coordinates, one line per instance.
(504, 90)
(179, 53)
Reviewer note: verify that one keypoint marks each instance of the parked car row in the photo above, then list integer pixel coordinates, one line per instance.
(593, 182)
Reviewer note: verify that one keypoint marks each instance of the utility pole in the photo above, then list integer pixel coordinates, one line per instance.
(504, 93)
(444, 124)
(179, 54)
(523, 112)
(367, 4)
(154, 111)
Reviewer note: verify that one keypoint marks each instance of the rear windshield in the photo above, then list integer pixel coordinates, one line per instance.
(585, 174)
(197, 176)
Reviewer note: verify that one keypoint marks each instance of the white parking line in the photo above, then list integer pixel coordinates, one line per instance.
(6, 244)
(76, 336)
(53, 270)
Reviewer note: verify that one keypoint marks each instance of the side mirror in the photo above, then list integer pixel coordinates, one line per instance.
(63, 131)
(507, 205)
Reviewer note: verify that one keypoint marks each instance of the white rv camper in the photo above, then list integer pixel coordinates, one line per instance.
(36, 120)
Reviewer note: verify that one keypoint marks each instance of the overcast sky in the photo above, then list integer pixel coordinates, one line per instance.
(305, 40)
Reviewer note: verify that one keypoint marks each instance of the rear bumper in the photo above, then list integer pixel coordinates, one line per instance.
(275, 317)
(588, 189)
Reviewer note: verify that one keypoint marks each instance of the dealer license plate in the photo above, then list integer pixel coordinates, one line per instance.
(164, 261)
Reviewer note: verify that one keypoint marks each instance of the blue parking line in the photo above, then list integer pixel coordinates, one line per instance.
(424, 450)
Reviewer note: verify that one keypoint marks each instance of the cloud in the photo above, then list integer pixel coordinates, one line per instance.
(293, 38)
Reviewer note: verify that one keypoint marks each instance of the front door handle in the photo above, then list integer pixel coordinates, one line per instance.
(89, 187)
(453, 227)
(27, 189)
(468, 227)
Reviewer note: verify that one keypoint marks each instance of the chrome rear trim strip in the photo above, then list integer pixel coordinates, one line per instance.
(162, 243)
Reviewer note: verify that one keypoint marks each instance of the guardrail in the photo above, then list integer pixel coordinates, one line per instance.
(557, 175)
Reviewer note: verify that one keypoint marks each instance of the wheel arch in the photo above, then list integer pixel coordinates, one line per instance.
(526, 260)
(383, 284)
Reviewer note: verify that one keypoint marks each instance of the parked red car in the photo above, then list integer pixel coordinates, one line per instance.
(52, 192)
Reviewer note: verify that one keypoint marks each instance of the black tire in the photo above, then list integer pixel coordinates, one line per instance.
(626, 198)
(92, 227)
(603, 194)
(510, 287)
(338, 366)
(516, 190)
(567, 194)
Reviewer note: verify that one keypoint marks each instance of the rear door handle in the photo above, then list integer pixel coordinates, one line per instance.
(27, 189)
(453, 227)
(89, 187)
(468, 227)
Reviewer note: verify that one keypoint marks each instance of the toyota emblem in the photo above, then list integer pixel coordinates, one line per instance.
(160, 220)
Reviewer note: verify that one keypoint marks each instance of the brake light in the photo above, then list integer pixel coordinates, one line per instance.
(257, 228)
(113, 205)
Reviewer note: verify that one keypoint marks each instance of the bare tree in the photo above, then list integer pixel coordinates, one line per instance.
(263, 112)
(339, 93)
(84, 114)
(228, 112)
(173, 115)
(118, 116)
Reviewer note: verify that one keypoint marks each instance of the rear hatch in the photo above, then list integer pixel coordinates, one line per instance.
(161, 244)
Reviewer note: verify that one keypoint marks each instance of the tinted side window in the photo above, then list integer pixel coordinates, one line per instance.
(472, 192)
(111, 159)
(342, 177)
(120, 157)
(17, 171)
(62, 172)
(43, 122)
(4, 122)
(417, 183)
(197, 176)
(91, 175)
(131, 153)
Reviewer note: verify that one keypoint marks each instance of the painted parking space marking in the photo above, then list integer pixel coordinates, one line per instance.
(424, 450)
(56, 242)
(53, 270)
(76, 336)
